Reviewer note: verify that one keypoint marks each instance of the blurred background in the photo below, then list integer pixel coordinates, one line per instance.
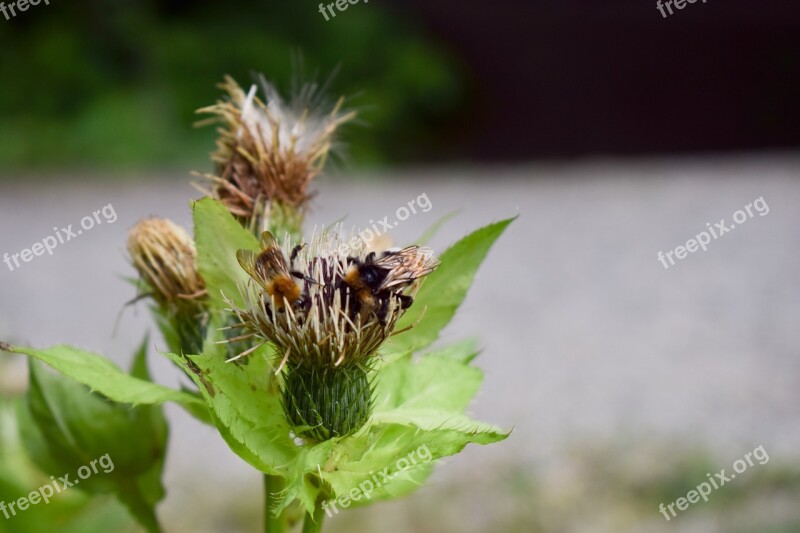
(613, 132)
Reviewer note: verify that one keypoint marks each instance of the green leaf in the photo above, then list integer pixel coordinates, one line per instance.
(139, 365)
(437, 381)
(427, 397)
(416, 403)
(445, 289)
(103, 446)
(392, 450)
(34, 440)
(419, 408)
(218, 236)
(103, 376)
(167, 328)
(245, 407)
(434, 229)
(463, 351)
(68, 511)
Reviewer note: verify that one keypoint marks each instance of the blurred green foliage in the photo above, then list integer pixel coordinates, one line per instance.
(116, 84)
(71, 511)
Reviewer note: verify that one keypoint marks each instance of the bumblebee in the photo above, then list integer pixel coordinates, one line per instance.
(375, 283)
(271, 270)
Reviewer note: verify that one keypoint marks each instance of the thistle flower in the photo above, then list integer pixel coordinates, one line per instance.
(164, 255)
(268, 152)
(327, 309)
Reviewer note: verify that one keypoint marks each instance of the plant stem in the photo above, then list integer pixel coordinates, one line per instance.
(313, 523)
(272, 523)
(142, 510)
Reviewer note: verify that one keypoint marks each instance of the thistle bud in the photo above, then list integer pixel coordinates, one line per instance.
(164, 255)
(268, 152)
(328, 313)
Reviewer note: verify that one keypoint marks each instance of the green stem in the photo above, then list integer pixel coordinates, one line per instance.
(272, 523)
(313, 523)
(142, 511)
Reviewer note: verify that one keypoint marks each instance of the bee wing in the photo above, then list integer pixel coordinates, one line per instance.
(264, 266)
(271, 263)
(406, 266)
(268, 240)
(248, 260)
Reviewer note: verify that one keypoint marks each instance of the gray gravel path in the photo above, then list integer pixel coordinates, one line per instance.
(586, 335)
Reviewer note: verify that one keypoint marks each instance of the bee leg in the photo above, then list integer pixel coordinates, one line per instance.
(383, 311)
(405, 301)
(295, 251)
(370, 257)
(300, 275)
(268, 310)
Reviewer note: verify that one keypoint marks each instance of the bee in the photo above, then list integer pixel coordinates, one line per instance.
(375, 283)
(271, 270)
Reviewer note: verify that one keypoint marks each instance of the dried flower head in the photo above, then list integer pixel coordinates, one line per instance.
(164, 255)
(268, 152)
(327, 306)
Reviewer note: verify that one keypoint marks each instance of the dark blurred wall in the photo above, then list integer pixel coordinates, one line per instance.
(576, 77)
